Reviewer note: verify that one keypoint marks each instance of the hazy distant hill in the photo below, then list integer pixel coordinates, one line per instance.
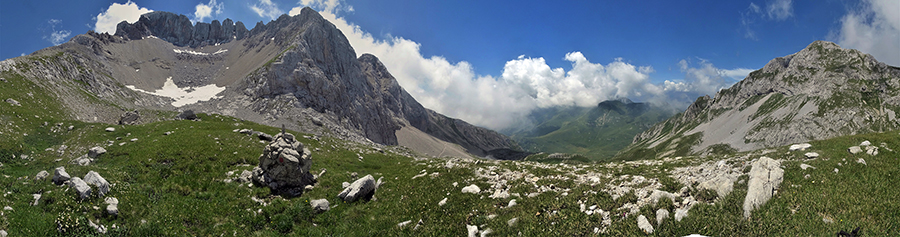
(594, 132)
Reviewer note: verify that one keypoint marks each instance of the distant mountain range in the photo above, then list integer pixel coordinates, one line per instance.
(596, 133)
(821, 92)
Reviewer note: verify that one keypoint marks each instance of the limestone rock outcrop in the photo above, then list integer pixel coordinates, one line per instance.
(284, 165)
(765, 177)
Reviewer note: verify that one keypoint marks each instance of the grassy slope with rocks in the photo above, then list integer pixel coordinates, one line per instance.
(176, 185)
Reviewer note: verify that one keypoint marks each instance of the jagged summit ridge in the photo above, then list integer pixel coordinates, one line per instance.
(820, 92)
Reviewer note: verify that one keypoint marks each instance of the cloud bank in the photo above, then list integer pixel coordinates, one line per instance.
(106, 21)
(208, 10)
(525, 83)
(874, 28)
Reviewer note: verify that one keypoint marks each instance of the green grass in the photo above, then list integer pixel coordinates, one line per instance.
(173, 185)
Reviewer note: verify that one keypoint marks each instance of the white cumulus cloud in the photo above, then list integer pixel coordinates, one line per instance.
(106, 21)
(203, 11)
(266, 8)
(525, 83)
(873, 29)
(56, 37)
(780, 10)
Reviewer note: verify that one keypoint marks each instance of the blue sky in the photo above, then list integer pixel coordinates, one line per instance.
(531, 53)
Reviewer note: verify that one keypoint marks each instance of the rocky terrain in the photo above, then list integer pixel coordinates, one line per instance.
(298, 71)
(165, 129)
(821, 92)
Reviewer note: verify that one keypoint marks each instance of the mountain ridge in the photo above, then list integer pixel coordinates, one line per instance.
(814, 94)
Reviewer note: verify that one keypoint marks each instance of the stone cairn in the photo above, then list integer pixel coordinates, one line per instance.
(284, 166)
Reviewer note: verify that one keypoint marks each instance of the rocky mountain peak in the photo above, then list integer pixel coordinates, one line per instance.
(178, 29)
(820, 92)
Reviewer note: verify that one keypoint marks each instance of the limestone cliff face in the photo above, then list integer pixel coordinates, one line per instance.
(178, 30)
(823, 91)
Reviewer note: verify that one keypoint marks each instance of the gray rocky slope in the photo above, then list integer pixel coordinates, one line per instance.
(821, 92)
(297, 71)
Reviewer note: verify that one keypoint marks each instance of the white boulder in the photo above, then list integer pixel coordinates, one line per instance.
(96, 151)
(471, 189)
(320, 205)
(93, 178)
(854, 149)
(661, 215)
(801, 146)
(765, 176)
(363, 188)
(644, 224)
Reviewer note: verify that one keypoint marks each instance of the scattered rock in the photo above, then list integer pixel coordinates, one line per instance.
(93, 178)
(345, 184)
(60, 176)
(680, 213)
(865, 143)
(81, 188)
(129, 118)
(801, 146)
(37, 198)
(765, 176)
(83, 160)
(13, 102)
(811, 155)
(511, 203)
(661, 215)
(245, 176)
(284, 166)
(320, 205)
(471, 189)
(3, 232)
(112, 206)
(188, 115)
(7, 208)
(854, 149)
(402, 224)
(41, 175)
(265, 137)
(99, 228)
(872, 150)
(805, 166)
(861, 161)
(442, 202)
(110, 129)
(96, 151)
(644, 224)
(486, 232)
(363, 188)
(512, 222)
(472, 230)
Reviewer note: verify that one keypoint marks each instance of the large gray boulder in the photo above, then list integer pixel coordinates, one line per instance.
(93, 178)
(765, 176)
(81, 188)
(60, 176)
(284, 165)
(129, 118)
(96, 151)
(363, 188)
